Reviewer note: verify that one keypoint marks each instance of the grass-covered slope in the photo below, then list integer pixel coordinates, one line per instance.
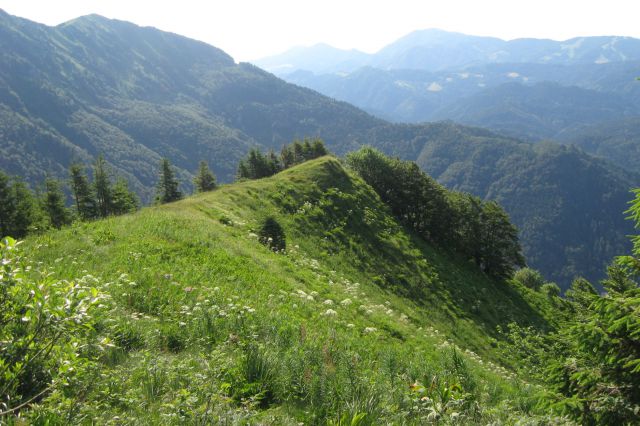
(356, 318)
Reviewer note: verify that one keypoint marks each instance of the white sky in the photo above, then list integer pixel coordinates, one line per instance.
(252, 29)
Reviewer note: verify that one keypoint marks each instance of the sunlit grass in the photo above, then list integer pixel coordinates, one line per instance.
(356, 320)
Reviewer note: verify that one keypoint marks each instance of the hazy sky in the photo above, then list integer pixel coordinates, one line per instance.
(253, 29)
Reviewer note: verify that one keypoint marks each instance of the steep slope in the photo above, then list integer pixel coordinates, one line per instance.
(95, 85)
(541, 111)
(616, 140)
(138, 94)
(546, 189)
(213, 326)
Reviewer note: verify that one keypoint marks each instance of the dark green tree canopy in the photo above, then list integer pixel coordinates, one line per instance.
(479, 230)
(167, 188)
(204, 180)
(258, 165)
(83, 193)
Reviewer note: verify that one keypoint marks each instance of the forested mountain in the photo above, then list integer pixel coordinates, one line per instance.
(531, 89)
(136, 95)
(436, 50)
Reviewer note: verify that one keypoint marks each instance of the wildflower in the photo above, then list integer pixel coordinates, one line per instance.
(330, 313)
(369, 330)
(328, 302)
(350, 325)
(346, 302)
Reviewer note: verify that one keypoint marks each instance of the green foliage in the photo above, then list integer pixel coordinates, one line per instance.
(20, 212)
(53, 204)
(272, 235)
(204, 180)
(83, 193)
(592, 363)
(480, 230)
(529, 278)
(257, 165)
(209, 327)
(167, 188)
(102, 186)
(123, 200)
(48, 332)
(550, 289)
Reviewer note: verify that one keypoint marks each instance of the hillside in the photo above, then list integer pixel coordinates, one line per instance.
(545, 188)
(210, 325)
(94, 85)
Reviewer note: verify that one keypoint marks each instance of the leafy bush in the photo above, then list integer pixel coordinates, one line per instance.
(529, 278)
(47, 330)
(550, 289)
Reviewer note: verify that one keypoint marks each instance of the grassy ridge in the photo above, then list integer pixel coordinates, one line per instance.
(357, 320)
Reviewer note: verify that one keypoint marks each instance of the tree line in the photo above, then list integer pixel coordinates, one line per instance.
(257, 165)
(479, 230)
(23, 211)
(99, 195)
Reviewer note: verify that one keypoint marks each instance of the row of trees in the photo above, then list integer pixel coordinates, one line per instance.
(258, 165)
(478, 229)
(23, 211)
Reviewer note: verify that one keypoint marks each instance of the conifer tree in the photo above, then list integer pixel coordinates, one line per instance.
(287, 157)
(83, 195)
(28, 215)
(123, 200)
(102, 186)
(204, 180)
(318, 149)
(53, 204)
(167, 188)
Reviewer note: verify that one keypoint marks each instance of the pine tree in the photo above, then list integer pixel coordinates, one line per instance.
(287, 157)
(167, 188)
(102, 186)
(123, 200)
(83, 195)
(204, 180)
(53, 204)
(29, 216)
(318, 149)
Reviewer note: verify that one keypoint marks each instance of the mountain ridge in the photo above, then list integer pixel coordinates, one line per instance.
(63, 99)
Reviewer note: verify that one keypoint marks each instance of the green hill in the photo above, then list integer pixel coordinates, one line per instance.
(95, 85)
(356, 319)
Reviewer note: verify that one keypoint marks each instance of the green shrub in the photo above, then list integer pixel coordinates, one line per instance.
(272, 235)
(47, 330)
(529, 278)
(550, 289)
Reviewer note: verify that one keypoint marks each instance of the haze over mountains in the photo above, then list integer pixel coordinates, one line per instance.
(94, 85)
(526, 88)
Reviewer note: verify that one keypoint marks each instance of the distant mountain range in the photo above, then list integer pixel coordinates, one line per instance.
(95, 85)
(436, 50)
(526, 88)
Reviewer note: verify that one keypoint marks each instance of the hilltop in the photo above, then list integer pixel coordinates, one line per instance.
(137, 94)
(210, 325)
